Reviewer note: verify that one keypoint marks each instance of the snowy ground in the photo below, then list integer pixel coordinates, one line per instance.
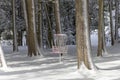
(22, 67)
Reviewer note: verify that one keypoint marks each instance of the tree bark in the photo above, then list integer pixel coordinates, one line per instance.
(2, 59)
(57, 17)
(50, 34)
(111, 22)
(26, 19)
(82, 34)
(100, 29)
(116, 18)
(40, 22)
(33, 47)
(15, 44)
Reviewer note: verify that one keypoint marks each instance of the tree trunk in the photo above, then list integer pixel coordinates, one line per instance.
(103, 33)
(2, 59)
(82, 34)
(15, 44)
(100, 29)
(57, 17)
(26, 19)
(111, 22)
(33, 47)
(50, 34)
(116, 18)
(40, 23)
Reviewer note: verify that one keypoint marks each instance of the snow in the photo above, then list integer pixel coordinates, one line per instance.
(22, 67)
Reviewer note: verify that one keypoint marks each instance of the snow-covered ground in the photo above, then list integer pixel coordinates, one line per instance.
(22, 67)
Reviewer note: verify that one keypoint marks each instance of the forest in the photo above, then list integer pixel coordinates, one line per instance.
(59, 39)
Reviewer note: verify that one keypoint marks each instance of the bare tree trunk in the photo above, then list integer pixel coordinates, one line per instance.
(100, 29)
(111, 22)
(116, 18)
(26, 20)
(2, 59)
(57, 17)
(82, 35)
(50, 35)
(33, 47)
(104, 49)
(15, 44)
(40, 22)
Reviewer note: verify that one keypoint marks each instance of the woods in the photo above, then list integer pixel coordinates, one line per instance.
(38, 21)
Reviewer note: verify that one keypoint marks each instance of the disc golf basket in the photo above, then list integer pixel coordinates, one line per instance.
(60, 47)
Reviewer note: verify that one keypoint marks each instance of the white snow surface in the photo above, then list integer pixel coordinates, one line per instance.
(48, 67)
